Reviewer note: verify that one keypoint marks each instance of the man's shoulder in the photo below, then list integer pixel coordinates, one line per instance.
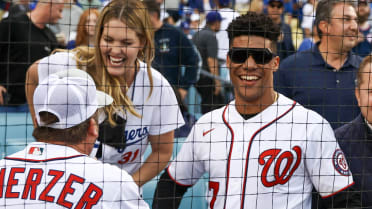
(350, 129)
(299, 59)
(16, 20)
(214, 116)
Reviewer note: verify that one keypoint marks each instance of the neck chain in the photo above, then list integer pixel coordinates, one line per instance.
(276, 96)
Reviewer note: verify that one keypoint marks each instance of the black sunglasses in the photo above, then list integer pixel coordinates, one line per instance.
(276, 5)
(260, 55)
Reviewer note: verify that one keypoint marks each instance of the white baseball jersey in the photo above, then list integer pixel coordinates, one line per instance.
(160, 112)
(53, 176)
(272, 160)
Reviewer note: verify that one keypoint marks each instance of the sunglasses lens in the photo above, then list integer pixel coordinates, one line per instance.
(238, 56)
(260, 56)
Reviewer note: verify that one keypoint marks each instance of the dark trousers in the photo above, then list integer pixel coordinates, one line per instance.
(209, 101)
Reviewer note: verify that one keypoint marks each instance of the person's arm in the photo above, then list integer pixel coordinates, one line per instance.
(350, 198)
(213, 68)
(32, 81)
(168, 194)
(190, 60)
(162, 147)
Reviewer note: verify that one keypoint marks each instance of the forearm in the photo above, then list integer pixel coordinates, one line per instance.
(168, 194)
(347, 199)
(153, 165)
(213, 66)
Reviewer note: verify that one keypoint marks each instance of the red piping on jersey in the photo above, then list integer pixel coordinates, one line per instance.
(230, 151)
(46, 160)
(338, 191)
(249, 147)
(175, 181)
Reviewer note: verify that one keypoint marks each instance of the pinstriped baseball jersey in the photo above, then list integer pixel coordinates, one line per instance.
(52, 176)
(272, 160)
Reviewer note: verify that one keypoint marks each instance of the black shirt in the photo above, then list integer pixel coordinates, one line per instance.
(21, 44)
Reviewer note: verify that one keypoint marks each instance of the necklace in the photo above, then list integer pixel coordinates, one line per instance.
(276, 96)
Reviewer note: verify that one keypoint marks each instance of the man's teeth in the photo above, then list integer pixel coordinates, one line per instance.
(248, 78)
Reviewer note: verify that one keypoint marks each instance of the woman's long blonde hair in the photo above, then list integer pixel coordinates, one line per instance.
(133, 13)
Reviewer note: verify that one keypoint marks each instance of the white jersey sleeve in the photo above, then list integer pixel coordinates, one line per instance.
(54, 63)
(325, 161)
(188, 160)
(166, 115)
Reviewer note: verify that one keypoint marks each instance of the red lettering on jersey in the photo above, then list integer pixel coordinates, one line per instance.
(88, 201)
(12, 181)
(215, 186)
(285, 175)
(31, 184)
(67, 189)
(2, 174)
(44, 194)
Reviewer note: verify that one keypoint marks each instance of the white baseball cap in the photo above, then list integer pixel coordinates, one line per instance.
(71, 95)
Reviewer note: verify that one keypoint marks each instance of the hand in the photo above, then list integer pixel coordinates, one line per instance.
(217, 87)
(183, 93)
(2, 90)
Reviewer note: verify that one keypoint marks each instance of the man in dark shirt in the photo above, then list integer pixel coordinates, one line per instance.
(205, 40)
(285, 44)
(173, 52)
(322, 78)
(355, 138)
(23, 40)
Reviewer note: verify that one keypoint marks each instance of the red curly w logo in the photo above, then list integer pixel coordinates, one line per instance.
(281, 176)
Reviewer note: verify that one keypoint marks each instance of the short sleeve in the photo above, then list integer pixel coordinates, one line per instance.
(212, 47)
(54, 63)
(326, 162)
(186, 168)
(166, 115)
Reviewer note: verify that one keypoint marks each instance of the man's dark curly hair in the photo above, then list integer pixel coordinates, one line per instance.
(253, 24)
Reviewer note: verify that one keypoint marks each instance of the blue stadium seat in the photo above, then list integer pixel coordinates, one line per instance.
(15, 132)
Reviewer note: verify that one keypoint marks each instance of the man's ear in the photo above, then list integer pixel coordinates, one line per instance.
(93, 128)
(357, 95)
(276, 63)
(323, 27)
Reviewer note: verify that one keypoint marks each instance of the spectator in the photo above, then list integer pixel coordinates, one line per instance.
(205, 40)
(309, 43)
(65, 135)
(310, 77)
(86, 29)
(308, 12)
(364, 46)
(23, 40)
(67, 25)
(17, 8)
(227, 15)
(355, 137)
(173, 50)
(285, 46)
(145, 110)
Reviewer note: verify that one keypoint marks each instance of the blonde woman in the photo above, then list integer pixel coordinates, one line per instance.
(145, 109)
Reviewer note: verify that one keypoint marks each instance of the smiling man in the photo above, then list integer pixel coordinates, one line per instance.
(322, 78)
(262, 150)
